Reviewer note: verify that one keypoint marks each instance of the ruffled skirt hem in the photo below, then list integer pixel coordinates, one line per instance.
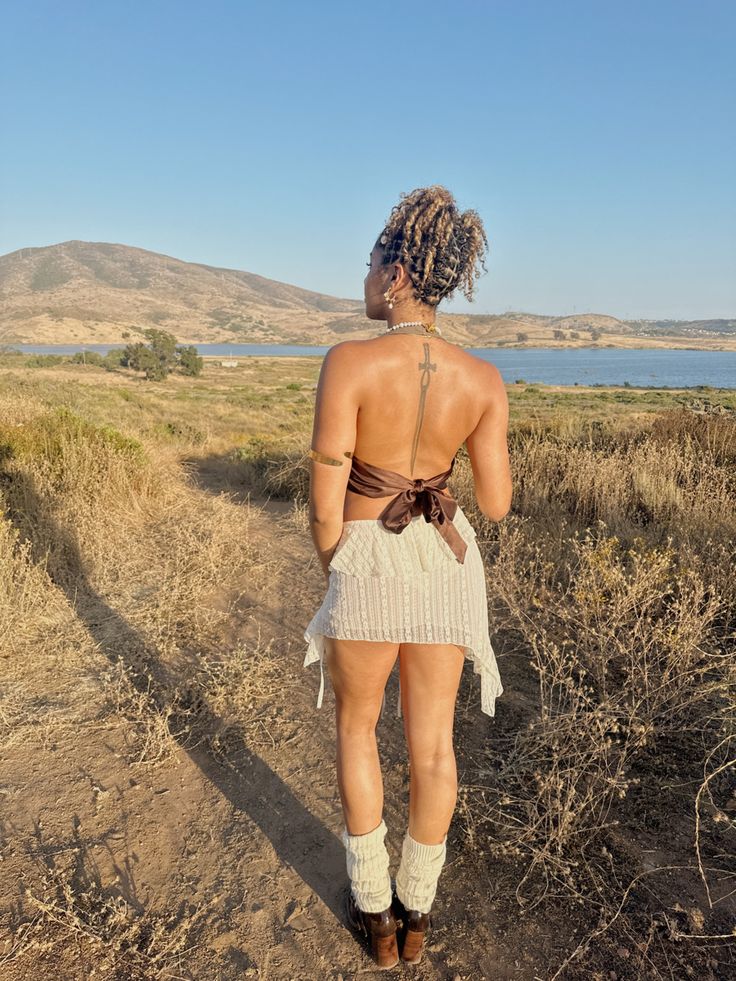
(490, 681)
(407, 588)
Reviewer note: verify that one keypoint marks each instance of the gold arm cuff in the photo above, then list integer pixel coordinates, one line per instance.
(321, 458)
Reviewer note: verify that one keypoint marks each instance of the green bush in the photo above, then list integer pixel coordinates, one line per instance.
(113, 359)
(190, 363)
(87, 357)
(49, 438)
(43, 360)
(184, 431)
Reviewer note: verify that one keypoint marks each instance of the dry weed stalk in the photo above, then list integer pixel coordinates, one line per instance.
(630, 634)
(621, 642)
(124, 943)
(719, 815)
(611, 913)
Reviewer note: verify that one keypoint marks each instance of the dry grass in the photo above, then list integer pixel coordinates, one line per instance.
(108, 562)
(70, 905)
(626, 652)
(614, 580)
(612, 589)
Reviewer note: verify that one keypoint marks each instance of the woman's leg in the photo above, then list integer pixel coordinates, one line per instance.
(430, 677)
(359, 670)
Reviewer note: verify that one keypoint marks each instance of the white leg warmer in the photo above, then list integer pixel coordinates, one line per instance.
(416, 880)
(367, 862)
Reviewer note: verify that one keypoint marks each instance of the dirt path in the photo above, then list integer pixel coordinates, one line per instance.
(295, 819)
(235, 863)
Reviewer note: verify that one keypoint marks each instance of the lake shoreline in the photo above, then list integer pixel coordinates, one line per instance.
(596, 367)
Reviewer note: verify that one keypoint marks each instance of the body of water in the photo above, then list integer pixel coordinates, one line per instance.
(647, 368)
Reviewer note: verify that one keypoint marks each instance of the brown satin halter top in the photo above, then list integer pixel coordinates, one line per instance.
(414, 497)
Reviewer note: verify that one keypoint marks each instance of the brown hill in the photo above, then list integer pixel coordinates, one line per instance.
(98, 292)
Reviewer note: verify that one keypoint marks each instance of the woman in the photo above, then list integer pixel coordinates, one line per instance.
(404, 574)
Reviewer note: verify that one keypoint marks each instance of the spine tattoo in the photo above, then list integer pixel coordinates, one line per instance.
(426, 367)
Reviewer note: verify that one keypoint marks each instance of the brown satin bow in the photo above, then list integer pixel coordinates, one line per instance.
(414, 497)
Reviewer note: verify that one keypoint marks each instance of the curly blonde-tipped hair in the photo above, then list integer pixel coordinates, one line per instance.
(440, 247)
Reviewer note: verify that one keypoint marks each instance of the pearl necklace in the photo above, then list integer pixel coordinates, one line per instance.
(427, 328)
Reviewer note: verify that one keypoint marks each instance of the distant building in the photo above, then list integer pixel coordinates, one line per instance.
(228, 364)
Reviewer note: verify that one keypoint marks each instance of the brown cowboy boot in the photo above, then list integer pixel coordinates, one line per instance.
(413, 929)
(378, 928)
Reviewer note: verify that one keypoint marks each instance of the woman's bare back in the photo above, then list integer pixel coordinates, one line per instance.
(420, 398)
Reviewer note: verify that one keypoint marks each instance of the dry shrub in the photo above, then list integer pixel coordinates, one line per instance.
(628, 624)
(29, 611)
(112, 938)
(624, 649)
(150, 716)
(108, 519)
(18, 407)
(664, 487)
(241, 689)
(273, 466)
(66, 481)
(40, 637)
(622, 643)
(713, 435)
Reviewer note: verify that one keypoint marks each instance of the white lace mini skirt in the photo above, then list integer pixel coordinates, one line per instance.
(407, 588)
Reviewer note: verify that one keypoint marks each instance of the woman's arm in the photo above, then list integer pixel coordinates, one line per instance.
(488, 450)
(333, 441)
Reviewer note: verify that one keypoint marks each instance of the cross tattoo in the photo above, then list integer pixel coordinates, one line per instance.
(427, 364)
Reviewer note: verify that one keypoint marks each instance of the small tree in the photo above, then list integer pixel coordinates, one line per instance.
(163, 345)
(521, 336)
(559, 335)
(595, 334)
(190, 363)
(160, 356)
(114, 358)
(140, 357)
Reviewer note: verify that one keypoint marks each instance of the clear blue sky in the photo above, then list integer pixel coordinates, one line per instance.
(597, 140)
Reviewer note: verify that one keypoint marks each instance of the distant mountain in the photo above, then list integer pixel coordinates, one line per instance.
(98, 292)
(95, 291)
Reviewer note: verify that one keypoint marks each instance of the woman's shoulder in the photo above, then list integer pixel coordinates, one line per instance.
(353, 352)
(344, 350)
